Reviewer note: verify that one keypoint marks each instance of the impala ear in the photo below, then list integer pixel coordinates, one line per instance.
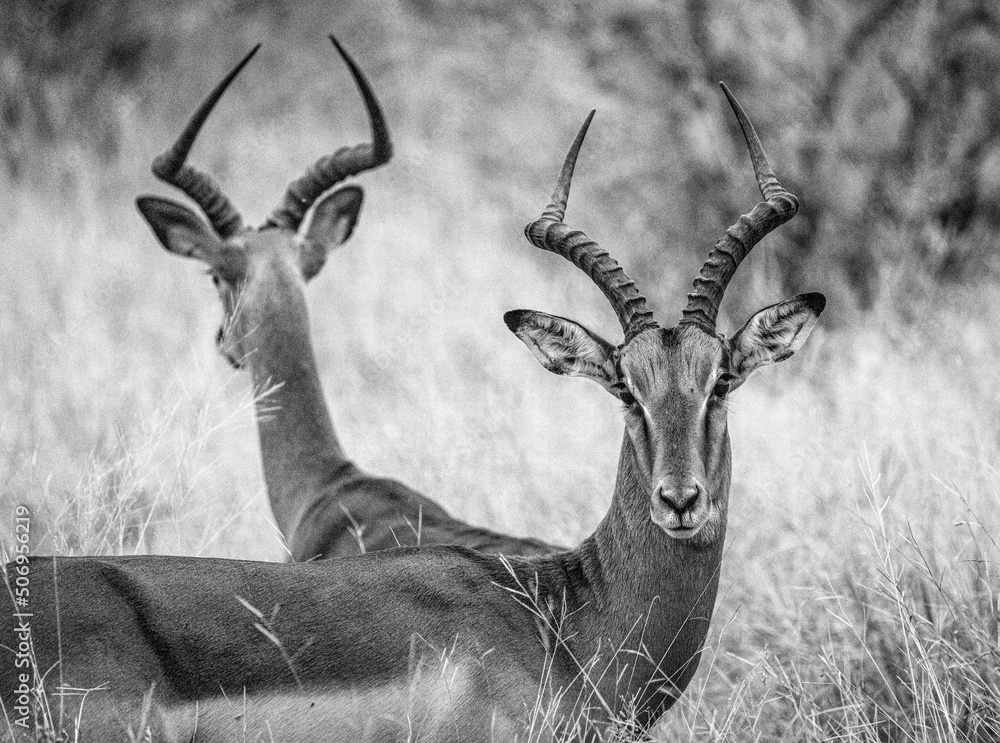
(564, 347)
(334, 217)
(332, 222)
(773, 334)
(178, 228)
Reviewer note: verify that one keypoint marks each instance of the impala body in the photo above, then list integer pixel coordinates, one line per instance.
(446, 643)
(437, 643)
(323, 503)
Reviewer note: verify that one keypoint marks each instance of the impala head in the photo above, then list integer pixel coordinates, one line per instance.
(236, 253)
(673, 382)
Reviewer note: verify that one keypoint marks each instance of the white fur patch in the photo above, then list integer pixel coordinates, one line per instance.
(441, 705)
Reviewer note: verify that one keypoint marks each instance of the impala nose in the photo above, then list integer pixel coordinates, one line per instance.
(681, 499)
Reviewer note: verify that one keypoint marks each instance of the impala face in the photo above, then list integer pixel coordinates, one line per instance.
(675, 384)
(234, 261)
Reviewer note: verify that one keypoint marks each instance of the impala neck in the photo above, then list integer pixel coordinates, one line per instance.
(299, 448)
(636, 589)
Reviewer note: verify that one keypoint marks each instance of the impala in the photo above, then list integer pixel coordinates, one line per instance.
(445, 643)
(324, 504)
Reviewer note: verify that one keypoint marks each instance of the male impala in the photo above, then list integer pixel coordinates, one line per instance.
(445, 643)
(324, 505)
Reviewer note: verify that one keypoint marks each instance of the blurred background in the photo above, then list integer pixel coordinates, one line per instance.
(859, 595)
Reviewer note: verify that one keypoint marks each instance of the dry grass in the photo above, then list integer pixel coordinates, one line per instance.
(859, 597)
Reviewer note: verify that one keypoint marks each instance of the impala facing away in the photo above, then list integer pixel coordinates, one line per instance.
(445, 643)
(324, 505)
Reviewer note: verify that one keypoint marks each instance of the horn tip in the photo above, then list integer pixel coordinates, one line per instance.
(730, 97)
(340, 49)
(574, 149)
(348, 60)
(248, 57)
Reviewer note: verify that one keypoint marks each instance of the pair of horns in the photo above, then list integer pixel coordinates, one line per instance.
(301, 193)
(549, 232)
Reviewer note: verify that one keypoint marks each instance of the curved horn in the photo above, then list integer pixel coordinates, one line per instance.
(347, 161)
(171, 168)
(549, 232)
(777, 208)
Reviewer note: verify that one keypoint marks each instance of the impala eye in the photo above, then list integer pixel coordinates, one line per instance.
(622, 393)
(723, 385)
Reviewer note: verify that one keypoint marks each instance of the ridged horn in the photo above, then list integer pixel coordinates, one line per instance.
(171, 166)
(347, 161)
(549, 232)
(777, 208)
